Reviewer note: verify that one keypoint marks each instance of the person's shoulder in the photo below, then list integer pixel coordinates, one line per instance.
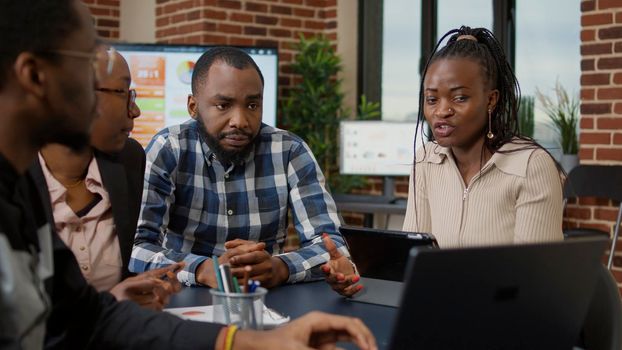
(132, 153)
(430, 152)
(186, 130)
(269, 135)
(133, 149)
(176, 136)
(518, 155)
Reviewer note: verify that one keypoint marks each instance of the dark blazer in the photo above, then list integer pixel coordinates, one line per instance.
(122, 175)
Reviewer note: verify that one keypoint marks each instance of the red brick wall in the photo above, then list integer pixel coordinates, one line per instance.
(106, 15)
(276, 23)
(601, 106)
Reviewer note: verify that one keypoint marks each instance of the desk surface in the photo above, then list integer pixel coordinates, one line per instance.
(298, 299)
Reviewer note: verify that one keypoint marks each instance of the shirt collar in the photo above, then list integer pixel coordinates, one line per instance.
(57, 191)
(508, 158)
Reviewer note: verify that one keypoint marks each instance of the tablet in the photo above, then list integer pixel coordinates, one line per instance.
(381, 257)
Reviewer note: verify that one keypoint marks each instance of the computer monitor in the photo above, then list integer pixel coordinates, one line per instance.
(378, 147)
(161, 75)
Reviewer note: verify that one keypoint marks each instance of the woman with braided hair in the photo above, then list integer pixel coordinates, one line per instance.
(479, 182)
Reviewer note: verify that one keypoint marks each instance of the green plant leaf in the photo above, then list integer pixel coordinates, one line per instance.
(314, 108)
(563, 114)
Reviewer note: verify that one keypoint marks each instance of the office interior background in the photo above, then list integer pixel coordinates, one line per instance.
(381, 43)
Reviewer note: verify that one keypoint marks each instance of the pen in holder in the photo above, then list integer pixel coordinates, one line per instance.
(242, 309)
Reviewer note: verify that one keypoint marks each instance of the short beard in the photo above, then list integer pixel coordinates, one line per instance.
(226, 157)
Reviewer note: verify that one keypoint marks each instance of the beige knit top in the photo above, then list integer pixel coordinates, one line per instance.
(516, 198)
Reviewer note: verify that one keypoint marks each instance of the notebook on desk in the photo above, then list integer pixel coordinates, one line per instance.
(381, 258)
(508, 297)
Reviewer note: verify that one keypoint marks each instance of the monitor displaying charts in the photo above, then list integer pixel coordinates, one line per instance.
(378, 147)
(161, 75)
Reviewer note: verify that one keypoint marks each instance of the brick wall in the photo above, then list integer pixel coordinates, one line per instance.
(601, 107)
(276, 23)
(106, 14)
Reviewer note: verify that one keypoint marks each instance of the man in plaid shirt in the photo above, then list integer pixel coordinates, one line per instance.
(221, 185)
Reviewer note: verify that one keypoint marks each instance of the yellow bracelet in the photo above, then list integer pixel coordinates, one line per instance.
(231, 330)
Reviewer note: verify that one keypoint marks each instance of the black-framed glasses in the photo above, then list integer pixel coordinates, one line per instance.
(131, 94)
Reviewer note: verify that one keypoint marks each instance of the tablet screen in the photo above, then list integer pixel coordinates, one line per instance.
(382, 254)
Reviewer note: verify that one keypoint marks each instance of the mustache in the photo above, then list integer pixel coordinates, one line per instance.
(222, 135)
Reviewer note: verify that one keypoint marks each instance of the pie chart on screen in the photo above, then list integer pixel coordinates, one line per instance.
(184, 71)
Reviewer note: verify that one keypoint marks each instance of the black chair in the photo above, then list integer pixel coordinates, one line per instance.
(602, 328)
(602, 181)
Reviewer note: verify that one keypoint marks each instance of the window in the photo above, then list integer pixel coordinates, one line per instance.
(547, 49)
(400, 59)
(455, 13)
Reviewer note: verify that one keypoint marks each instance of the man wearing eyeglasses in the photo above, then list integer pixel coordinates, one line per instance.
(47, 94)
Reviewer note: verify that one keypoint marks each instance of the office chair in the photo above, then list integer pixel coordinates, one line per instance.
(602, 328)
(602, 181)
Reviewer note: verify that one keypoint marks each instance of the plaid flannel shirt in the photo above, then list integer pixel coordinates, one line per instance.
(192, 205)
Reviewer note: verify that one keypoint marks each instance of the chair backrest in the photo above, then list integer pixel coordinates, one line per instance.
(602, 328)
(603, 181)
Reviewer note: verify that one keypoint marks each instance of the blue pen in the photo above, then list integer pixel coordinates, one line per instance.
(217, 271)
(253, 286)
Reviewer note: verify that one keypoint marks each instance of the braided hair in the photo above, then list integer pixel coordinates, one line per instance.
(480, 45)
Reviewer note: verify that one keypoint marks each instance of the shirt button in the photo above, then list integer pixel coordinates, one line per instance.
(82, 248)
(230, 212)
(85, 267)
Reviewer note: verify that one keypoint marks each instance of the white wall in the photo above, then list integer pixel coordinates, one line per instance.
(137, 21)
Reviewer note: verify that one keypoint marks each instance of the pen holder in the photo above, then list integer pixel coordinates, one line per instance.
(245, 310)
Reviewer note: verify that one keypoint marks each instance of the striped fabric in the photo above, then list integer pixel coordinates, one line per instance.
(517, 198)
(192, 205)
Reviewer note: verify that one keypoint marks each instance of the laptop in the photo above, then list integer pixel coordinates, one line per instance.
(381, 257)
(508, 297)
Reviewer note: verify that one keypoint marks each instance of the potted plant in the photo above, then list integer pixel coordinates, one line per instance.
(314, 108)
(563, 113)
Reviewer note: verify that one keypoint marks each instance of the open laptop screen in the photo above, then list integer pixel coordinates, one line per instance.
(532, 296)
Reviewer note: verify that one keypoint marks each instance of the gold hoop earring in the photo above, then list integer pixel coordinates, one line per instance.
(490, 135)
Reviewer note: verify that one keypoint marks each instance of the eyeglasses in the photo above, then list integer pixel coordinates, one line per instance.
(131, 94)
(102, 59)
